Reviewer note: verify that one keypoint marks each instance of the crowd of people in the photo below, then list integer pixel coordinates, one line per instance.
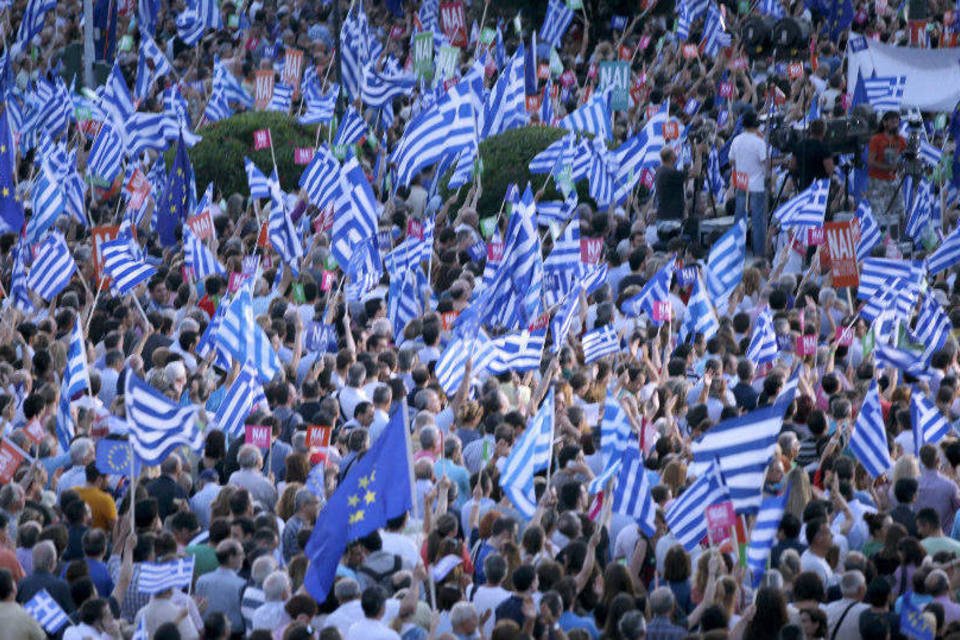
(856, 554)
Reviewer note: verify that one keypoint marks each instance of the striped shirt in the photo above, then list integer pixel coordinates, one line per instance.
(253, 597)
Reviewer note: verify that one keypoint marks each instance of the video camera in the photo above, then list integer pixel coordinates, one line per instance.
(912, 164)
(843, 135)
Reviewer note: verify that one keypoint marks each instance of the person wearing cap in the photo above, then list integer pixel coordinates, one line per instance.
(748, 167)
(883, 160)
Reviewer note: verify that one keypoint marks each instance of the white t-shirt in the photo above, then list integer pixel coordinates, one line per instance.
(350, 613)
(401, 545)
(366, 629)
(488, 598)
(748, 153)
(812, 562)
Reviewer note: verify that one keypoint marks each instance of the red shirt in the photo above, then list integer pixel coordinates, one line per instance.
(886, 149)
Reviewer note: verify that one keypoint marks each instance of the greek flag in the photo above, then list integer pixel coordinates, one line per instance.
(519, 351)
(869, 230)
(743, 447)
(197, 18)
(283, 235)
(320, 106)
(157, 425)
(929, 425)
(686, 516)
(282, 98)
(715, 37)
(232, 88)
(683, 22)
(933, 326)
(351, 130)
(449, 368)
(763, 341)
(714, 184)
(640, 152)
(631, 497)
(910, 362)
(403, 257)
(930, 153)
(772, 8)
(52, 268)
(885, 93)
(75, 381)
(946, 255)
(869, 440)
(555, 23)
(125, 271)
(725, 262)
(875, 272)
(593, 117)
(443, 130)
(259, 185)
(45, 610)
(505, 108)
(696, 8)
(563, 267)
(19, 293)
(405, 299)
(321, 179)
(805, 209)
(218, 106)
(600, 343)
(530, 454)
(152, 63)
(31, 24)
(48, 203)
(657, 289)
(555, 154)
(356, 212)
(550, 212)
(701, 317)
(106, 155)
(198, 258)
(156, 577)
(616, 431)
(896, 297)
(238, 403)
(358, 47)
(920, 214)
(380, 88)
(764, 534)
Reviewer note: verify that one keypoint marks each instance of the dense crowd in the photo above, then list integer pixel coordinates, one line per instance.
(855, 553)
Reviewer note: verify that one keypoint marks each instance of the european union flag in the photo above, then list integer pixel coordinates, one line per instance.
(114, 457)
(376, 488)
(11, 211)
(179, 198)
(912, 623)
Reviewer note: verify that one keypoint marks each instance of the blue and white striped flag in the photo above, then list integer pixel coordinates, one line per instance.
(557, 153)
(518, 351)
(908, 361)
(946, 255)
(505, 107)
(282, 98)
(763, 535)
(48, 203)
(725, 262)
(19, 293)
(238, 403)
(157, 425)
(449, 368)
(657, 289)
(197, 257)
(405, 299)
(885, 93)
(75, 381)
(245, 340)
(556, 211)
(218, 106)
(616, 430)
(358, 47)
(320, 106)
(351, 130)
(106, 155)
(152, 63)
(563, 267)
(869, 440)
(31, 24)
(555, 23)
(356, 212)
(125, 271)
(259, 185)
(199, 16)
(593, 117)
(763, 341)
(714, 184)
(895, 297)
(380, 88)
(321, 179)
(640, 152)
(156, 577)
(686, 516)
(631, 496)
(743, 447)
(929, 425)
(715, 36)
(805, 209)
(930, 153)
(920, 214)
(875, 272)
(45, 610)
(52, 268)
(701, 318)
(116, 101)
(530, 453)
(772, 8)
(599, 343)
(683, 23)
(282, 233)
(869, 230)
(933, 326)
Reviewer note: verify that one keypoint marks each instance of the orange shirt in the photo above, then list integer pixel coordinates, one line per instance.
(886, 149)
(8, 561)
(103, 509)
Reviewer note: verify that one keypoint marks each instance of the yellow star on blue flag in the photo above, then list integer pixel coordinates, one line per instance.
(114, 457)
(376, 489)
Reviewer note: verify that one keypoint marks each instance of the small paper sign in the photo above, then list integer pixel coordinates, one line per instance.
(814, 236)
(250, 264)
(292, 68)
(319, 337)
(721, 516)
(10, 459)
(739, 64)
(138, 188)
(725, 89)
(258, 435)
(671, 130)
(806, 345)
(302, 155)
(453, 23)
(415, 229)
(661, 311)
(494, 251)
(263, 88)
(568, 79)
(34, 431)
(844, 336)
(318, 436)
(795, 70)
(741, 181)
(690, 51)
(261, 139)
(591, 250)
(447, 319)
(327, 279)
(201, 224)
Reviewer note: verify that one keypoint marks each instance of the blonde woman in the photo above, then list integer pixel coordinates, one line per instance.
(798, 484)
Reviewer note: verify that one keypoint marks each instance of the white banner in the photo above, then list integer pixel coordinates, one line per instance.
(933, 75)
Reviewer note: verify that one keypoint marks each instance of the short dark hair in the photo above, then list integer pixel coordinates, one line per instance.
(372, 600)
(929, 517)
(92, 610)
(905, 489)
(6, 584)
(92, 473)
(523, 577)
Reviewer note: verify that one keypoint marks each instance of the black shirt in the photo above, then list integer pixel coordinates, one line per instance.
(810, 154)
(669, 184)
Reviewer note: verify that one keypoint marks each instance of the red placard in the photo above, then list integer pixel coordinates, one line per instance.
(415, 229)
(671, 130)
(721, 515)
(323, 221)
(814, 236)
(494, 251)
(257, 435)
(726, 89)
(661, 311)
(644, 41)
(447, 318)
(327, 278)
(396, 32)
(318, 436)
(741, 181)
(842, 249)
(10, 459)
(201, 224)
(626, 53)
(806, 345)
(844, 336)
(235, 280)
(568, 79)
(263, 240)
(100, 235)
(138, 187)
(543, 71)
(263, 88)
(292, 68)
(738, 64)
(690, 51)
(795, 70)
(591, 250)
(453, 23)
(34, 431)
(302, 155)
(532, 103)
(261, 139)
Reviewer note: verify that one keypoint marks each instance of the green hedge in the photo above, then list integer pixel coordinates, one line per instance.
(505, 159)
(218, 158)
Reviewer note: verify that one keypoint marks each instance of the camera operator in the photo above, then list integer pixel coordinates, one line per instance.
(812, 159)
(748, 156)
(883, 158)
(670, 188)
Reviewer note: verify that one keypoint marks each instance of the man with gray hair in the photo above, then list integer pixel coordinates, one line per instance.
(843, 616)
(306, 506)
(44, 564)
(937, 584)
(271, 614)
(464, 621)
(352, 393)
(82, 453)
(253, 595)
(429, 444)
(632, 626)
(250, 477)
(662, 604)
(12, 502)
(382, 397)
